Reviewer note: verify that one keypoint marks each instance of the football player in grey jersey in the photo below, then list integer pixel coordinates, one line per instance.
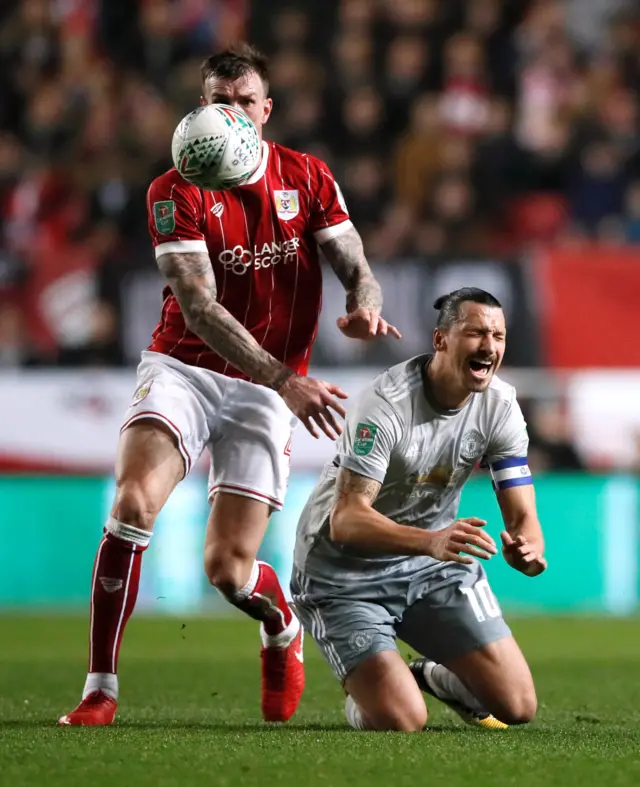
(380, 554)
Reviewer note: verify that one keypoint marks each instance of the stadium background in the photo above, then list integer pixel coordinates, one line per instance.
(482, 142)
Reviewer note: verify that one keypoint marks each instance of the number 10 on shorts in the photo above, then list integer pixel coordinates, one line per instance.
(482, 600)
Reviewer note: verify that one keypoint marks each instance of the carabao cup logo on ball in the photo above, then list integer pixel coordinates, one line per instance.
(216, 147)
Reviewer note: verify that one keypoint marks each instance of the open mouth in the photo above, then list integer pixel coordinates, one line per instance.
(480, 368)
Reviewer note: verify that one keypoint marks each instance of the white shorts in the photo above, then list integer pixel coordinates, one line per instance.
(246, 427)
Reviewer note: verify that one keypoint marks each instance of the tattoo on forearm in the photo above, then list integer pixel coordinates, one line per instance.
(346, 256)
(350, 483)
(191, 279)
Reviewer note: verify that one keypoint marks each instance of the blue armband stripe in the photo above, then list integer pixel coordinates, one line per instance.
(522, 481)
(510, 461)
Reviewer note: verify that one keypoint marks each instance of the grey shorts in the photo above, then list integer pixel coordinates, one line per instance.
(441, 611)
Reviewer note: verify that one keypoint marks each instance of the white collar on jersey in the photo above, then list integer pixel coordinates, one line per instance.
(263, 165)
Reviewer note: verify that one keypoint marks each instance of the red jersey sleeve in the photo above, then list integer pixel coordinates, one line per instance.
(176, 215)
(329, 214)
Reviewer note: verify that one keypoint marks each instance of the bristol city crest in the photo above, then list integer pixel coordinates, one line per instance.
(287, 204)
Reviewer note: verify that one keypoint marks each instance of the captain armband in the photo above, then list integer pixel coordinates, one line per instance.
(513, 471)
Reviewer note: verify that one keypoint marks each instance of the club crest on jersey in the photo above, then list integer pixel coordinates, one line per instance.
(472, 445)
(360, 641)
(218, 209)
(164, 214)
(287, 204)
(141, 393)
(365, 439)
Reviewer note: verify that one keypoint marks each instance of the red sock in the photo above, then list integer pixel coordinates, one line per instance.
(262, 599)
(114, 590)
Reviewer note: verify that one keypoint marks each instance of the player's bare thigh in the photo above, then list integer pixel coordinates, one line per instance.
(235, 530)
(499, 676)
(148, 468)
(387, 694)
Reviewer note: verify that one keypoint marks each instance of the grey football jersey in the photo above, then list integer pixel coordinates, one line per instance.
(421, 454)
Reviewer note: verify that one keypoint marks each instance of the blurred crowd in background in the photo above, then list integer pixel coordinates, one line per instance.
(455, 127)
(90, 93)
(466, 126)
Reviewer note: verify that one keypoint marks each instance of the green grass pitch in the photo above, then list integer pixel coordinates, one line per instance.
(190, 715)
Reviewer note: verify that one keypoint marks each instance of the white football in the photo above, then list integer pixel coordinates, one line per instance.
(216, 147)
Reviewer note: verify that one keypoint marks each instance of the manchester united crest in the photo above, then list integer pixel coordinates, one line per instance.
(472, 445)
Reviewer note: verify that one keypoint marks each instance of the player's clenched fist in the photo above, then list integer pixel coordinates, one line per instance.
(312, 401)
(463, 537)
(522, 555)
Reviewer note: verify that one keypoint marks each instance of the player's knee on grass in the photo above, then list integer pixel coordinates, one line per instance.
(499, 676)
(409, 718)
(386, 693)
(133, 506)
(396, 714)
(513, 702)
(517, 706)
(515, 693)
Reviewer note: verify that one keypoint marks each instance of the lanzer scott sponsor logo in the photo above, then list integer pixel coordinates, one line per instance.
(239, 260)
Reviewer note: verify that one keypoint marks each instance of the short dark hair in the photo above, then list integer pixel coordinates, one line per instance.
(449, 305)
(235, 62)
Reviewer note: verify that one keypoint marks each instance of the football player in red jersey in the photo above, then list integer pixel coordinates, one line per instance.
(226, 371)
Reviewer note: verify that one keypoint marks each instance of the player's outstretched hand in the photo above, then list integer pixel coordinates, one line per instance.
(464, 537)
(522, 555)
(366, 324)
(312, 401)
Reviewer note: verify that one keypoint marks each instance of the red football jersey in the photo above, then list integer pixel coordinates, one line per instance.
(262, 239)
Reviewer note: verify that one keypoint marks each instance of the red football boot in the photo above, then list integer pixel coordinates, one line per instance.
(96, 710)
(282, 679)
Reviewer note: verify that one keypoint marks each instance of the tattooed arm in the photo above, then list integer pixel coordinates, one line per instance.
(191, 279)
(354, 522)
(346, 256)
(364, 296)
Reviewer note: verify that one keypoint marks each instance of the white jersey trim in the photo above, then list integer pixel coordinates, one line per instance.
(328, 233)
(181, 247)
